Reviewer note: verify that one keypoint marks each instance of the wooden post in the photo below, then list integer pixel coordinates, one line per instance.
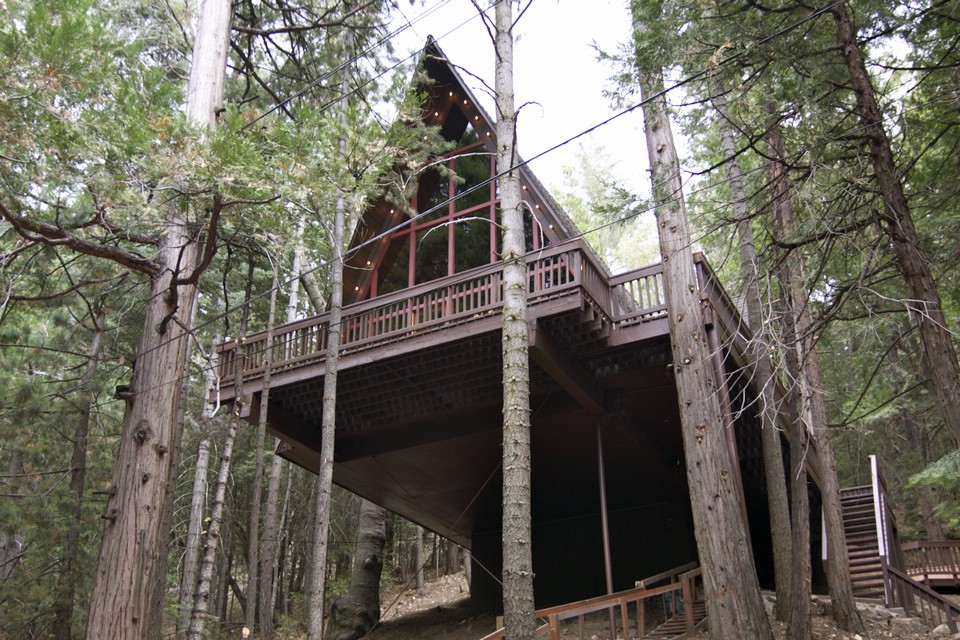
(605, 527)
(687, 592)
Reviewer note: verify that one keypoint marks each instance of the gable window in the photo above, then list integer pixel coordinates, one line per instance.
(458, 226)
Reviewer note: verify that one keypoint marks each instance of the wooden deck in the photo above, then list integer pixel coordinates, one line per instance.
(623, 308)
(933, 563)
(420, 398)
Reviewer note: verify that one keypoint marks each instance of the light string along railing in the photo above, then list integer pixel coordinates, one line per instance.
(485, 183)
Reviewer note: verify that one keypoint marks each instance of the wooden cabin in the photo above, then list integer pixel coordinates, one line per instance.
(419, 399)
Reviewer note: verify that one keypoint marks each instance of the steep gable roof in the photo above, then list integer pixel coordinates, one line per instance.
(450, 105)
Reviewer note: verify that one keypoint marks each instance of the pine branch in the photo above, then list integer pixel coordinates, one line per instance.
(55, 236)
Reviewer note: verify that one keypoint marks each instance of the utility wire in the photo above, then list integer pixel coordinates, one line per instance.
(319, 80)
(485, 183)
(635, 213)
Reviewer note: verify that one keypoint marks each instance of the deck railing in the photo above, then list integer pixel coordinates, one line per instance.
(632, 298)
(933, 560)
(683, 592)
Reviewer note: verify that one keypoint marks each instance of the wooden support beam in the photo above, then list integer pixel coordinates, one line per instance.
(437, 428)
(566, 371)
(299, 440)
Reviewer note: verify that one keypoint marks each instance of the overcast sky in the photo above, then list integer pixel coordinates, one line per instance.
(556, 67)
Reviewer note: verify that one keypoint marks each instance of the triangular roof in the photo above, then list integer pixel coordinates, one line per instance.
(448, 103)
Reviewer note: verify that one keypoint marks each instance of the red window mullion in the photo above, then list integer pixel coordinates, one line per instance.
(451, 210)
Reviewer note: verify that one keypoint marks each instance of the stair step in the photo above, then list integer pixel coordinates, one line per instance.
(860, 529)
(865, 562)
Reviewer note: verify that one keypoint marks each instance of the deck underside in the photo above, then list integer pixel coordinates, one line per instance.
(419, 432)
(419, 416)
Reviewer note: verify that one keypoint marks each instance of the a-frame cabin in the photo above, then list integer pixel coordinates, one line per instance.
(419, 399)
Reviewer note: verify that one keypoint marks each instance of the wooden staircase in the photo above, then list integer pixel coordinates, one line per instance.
(877, 562)
(677, 625)
(860, 529)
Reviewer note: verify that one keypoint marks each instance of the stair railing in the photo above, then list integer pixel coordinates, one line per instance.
(888, 539)
(920, 600)
(684, 590)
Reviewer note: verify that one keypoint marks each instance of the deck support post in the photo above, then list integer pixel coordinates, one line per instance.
(605, 524)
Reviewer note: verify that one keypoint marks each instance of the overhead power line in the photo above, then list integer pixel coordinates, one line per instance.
(485, 183)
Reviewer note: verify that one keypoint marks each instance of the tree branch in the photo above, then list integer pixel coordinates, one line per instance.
(52, 235)
(299, 28)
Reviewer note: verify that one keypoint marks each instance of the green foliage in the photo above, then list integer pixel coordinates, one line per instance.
(612, 220)
(943, 475)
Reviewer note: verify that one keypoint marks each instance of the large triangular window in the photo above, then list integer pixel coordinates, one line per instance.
(458, 229)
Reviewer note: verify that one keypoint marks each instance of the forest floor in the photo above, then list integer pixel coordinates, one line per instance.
(442, 612)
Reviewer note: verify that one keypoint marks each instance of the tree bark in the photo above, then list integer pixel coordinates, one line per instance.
(518, 598)
(453, 558)
(198, 496)
(134, 539)
(734, 606)
(792, 301)
(355, 614)
(315, 596)
(253, 550)
(419, 558)
(897, 223)
(764, 377)
(67, 580)
(188, 582)
(838, 563)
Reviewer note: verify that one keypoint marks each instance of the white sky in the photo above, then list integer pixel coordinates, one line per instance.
(555, 66)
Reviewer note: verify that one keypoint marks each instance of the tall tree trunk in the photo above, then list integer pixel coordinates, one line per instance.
(419, 561)
(734, 606)
(838, 562)
(224, 564)
(800, 622)
(269, 572)
(793, 299)
(70, 565)
(924, 302)
(518, 599)
(453, 558)
(253, 550)
(202, 597)
(315, 596)
(354, 614)
(764, 378)
(188, 582)
(198, 495)
(134, 539)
